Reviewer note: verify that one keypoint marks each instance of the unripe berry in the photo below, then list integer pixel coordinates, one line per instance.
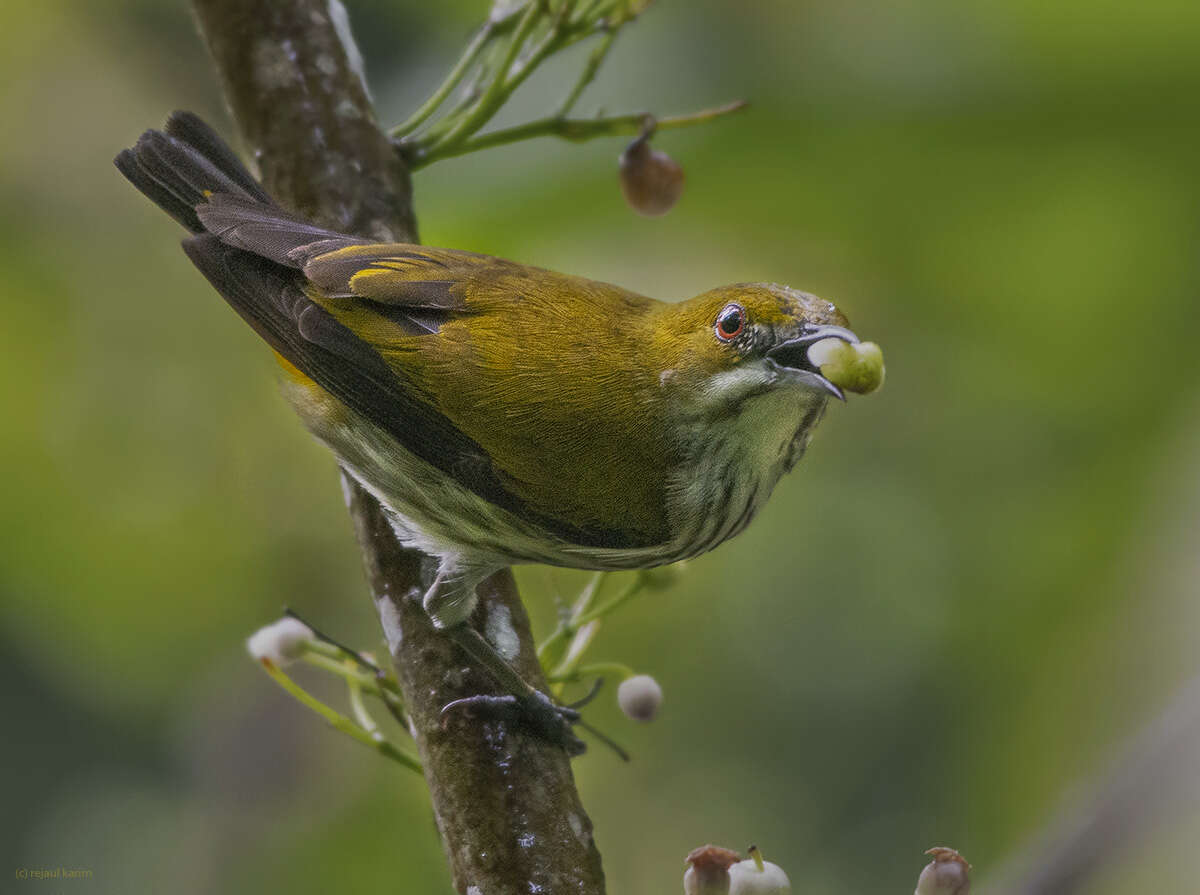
(640, 697)
(755, 876)
(946, 874)
(851, 366)
(281, 642)
(651, 181)
(709, 870)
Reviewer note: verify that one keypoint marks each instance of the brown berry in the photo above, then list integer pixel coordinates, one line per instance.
(651, 181)
(708, 870)
(946, 874)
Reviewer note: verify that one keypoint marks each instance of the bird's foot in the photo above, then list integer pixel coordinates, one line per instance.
(536, 712)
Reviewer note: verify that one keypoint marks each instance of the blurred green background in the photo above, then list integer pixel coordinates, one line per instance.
(979, 583)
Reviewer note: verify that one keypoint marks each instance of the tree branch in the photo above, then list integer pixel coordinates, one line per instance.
(505, 802)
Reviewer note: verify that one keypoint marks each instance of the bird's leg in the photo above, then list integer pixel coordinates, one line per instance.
(522, 702)
(449, 601)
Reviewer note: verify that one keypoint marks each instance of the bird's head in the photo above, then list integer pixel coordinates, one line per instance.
(747, 340)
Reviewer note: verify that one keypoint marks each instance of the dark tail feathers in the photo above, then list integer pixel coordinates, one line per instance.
(189, 172)
(179, 167)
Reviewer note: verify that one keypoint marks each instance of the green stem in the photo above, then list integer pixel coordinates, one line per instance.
(339, 721)
(495, 95)
(468, 58)
(586, 14)
(589, 72)
(335, 650)
(550, 651)
(438, 130)
(575, 129)
(579, 643)
(597, 613)
(582, 627)
(361, 715)
(594, 669)
(363, 679)
(586, 625)
(559, 37)
(561, 34)
(342, 661)
(587, 596)
(756, 854)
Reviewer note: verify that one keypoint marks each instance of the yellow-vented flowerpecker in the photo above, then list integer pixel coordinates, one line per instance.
(506, 414)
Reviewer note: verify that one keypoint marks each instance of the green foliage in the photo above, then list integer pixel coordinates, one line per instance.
(516, 39)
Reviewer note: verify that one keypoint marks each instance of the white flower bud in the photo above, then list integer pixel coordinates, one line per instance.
(281, 642)
(640, 697)
(709, 870)
(755, 876)
(946, 874)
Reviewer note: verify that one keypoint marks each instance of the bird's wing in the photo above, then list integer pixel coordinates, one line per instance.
(340, 350)
(392, 273)
(271, 299)
(345, 313)
(387, 291)
(562, 425)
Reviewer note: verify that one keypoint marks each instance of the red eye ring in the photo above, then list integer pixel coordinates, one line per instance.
(730, 322)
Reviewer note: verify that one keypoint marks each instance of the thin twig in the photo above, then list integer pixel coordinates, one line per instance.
(574, 129)
(325, 638)
(339, 721)
(369, 683)
(598, 612)
(495, 95)
(593, 669)
(589, 72)
(550, 651)
(361, 715)
(468, 58)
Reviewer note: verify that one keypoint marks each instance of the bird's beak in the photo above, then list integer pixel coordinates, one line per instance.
(792, 355)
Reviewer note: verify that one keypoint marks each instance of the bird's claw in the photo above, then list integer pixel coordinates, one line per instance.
(537, 713)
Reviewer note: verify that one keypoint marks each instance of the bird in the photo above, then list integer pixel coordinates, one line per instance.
(502, 413)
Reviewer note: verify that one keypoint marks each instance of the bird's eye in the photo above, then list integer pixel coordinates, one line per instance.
(730, 323)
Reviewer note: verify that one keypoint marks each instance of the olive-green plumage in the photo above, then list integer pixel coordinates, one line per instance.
(557, 377)
(503, 413)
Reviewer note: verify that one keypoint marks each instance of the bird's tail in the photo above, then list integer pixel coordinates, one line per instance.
(189, 172)
(241, 240)
(181, 166)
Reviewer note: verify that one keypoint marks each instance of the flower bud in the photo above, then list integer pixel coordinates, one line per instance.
(946, 874)
(851, 366)
(755, 876)
(640, 697)
(281, 642)
(709, 870)
(651, 181)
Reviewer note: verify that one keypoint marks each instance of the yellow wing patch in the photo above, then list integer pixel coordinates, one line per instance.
(396, 273)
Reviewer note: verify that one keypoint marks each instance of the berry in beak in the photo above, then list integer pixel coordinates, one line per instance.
(793, 355)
